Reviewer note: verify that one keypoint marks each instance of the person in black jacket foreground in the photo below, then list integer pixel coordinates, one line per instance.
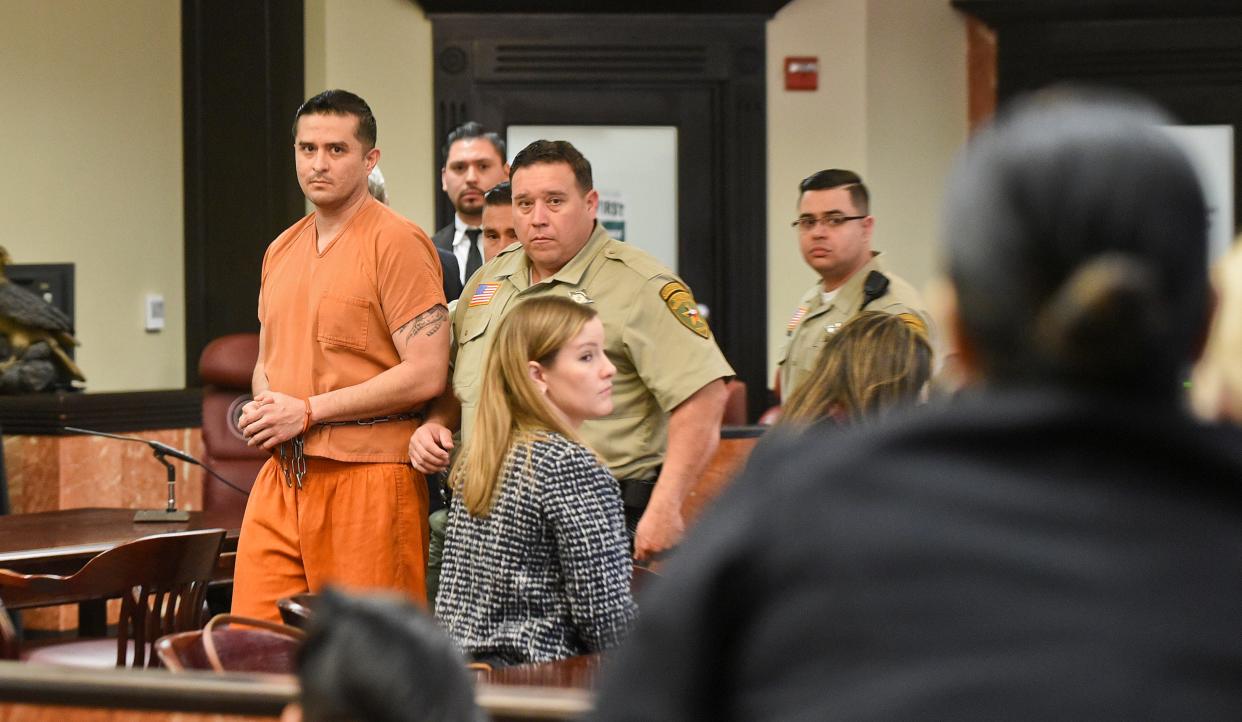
(1062, 542)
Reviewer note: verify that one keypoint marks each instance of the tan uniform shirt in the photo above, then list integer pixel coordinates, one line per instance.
(663, 351)
(813, 321)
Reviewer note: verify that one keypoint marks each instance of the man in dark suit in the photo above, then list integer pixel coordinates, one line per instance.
(474, 162)
(452, 274)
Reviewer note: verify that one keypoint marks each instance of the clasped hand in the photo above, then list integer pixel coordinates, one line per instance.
(659, 530)
(272, 418)
(429, 448)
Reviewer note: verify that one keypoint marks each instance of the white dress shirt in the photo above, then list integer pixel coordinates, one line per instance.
(461, 245)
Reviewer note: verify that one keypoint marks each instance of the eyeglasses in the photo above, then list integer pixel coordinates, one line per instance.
(806, 224)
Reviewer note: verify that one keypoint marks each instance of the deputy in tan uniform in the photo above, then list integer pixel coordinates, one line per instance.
(834, 232)
(668, 393)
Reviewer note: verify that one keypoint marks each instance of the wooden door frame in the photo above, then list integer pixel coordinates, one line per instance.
(242, 74)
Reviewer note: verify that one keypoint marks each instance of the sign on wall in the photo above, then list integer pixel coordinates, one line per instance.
(634, 169)
(612, 213)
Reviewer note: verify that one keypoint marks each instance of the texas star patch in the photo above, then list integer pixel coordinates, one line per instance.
(681, 303)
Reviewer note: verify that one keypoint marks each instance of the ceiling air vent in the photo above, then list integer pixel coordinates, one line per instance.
(517, 61)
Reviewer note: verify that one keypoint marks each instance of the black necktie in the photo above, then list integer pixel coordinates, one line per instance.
(474, 259)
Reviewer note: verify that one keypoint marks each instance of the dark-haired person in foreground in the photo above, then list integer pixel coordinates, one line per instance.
(379, 659)
(353, 338)
(1064, 542)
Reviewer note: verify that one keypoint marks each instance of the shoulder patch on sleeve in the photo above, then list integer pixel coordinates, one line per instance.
(915, 323)
(681, 304)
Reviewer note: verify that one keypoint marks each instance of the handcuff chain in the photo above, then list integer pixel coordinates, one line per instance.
(299, 460)
(372, 421)
(294, 466)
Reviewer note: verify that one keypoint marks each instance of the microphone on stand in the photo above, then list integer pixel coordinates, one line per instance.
(159, 450)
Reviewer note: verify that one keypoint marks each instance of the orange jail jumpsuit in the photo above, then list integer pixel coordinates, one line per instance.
(359, 519)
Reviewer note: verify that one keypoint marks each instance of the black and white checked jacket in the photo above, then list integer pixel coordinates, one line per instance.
(546, 575)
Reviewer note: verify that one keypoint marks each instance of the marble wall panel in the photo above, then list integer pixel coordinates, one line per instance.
(65, 472)
(63, 618)
(50, 619)
(32, 468)
(90, 471)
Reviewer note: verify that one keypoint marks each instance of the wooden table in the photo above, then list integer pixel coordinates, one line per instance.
(60, 542)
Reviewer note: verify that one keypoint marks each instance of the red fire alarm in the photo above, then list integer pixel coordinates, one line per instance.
(802, 73)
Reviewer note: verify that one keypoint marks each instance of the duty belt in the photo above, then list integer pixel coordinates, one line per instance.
(635, 493)
(293, 462)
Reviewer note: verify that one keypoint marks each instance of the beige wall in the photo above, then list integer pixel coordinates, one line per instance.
(891, 105)
(93, 172)
(381, 50)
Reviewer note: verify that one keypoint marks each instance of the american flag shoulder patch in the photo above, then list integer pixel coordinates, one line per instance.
(793, 321)
(483, 294)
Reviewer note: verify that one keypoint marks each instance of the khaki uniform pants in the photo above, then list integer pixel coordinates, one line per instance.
(356, 526)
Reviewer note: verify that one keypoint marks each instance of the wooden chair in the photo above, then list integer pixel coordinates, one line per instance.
(296, 610)
(161, 581)
(233, 644)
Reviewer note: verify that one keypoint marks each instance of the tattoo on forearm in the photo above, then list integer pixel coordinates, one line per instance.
(431, 320)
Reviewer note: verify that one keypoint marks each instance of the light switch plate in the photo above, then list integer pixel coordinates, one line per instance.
(155, 312)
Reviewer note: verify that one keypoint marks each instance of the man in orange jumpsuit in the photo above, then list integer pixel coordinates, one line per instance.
(353, 339)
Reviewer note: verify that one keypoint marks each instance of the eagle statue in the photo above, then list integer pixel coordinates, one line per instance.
(27, 321)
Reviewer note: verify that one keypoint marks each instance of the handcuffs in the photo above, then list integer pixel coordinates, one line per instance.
(293, 462)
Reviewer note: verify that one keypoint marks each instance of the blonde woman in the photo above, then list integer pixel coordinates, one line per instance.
(1217, 388)
(874, 363)
(536, 559)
